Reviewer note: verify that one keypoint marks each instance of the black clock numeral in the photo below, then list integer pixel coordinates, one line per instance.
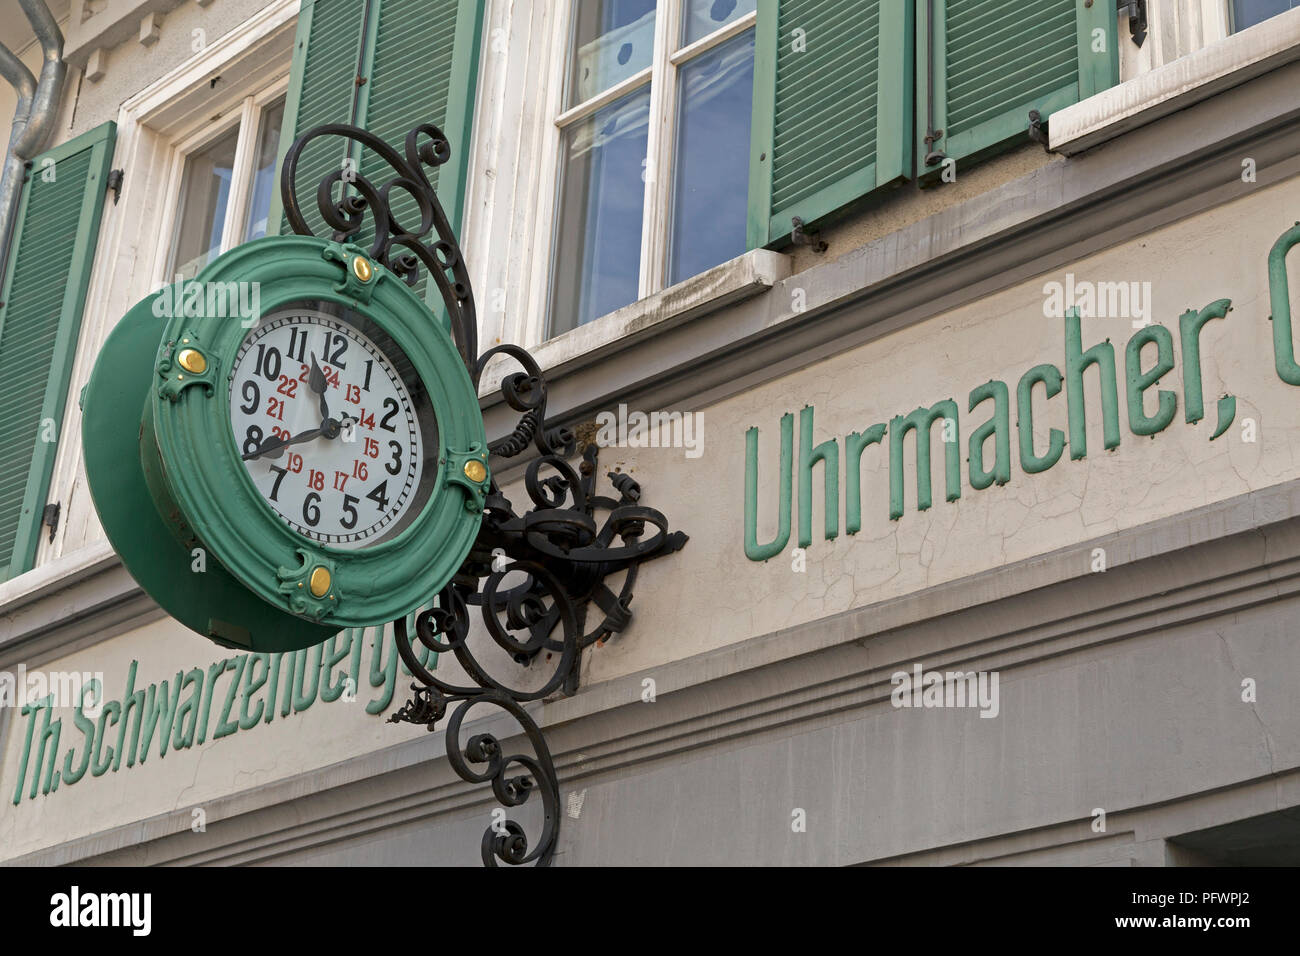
(335, 345)
(279, 477)
(340, 346)
(379, 495)
(252, 440)
(369, 366)
(298, 341)
(268, 363)
(391, 405)
(310, 511)
(349, 509)
(253, 400)
(394, 466)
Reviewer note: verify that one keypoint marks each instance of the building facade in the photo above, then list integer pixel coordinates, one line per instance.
(957, 336)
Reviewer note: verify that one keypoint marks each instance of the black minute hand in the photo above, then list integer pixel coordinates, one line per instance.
(316, 382)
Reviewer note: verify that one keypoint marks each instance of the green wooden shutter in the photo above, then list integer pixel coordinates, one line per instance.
(992, 61)
(43, 296)
(832, 108)
(385, 65)
(327, 59)
(424, 69)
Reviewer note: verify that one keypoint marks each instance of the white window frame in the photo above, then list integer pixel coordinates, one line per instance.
(662, 78)
(246, 115)
(135, 237)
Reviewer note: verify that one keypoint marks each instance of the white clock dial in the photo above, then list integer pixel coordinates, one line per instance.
(346, 473)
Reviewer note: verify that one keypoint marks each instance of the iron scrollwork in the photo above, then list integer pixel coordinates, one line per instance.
(535, 576)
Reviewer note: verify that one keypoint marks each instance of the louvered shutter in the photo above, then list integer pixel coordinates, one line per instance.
(423, 69)
(327, 59)
(992, 61)
(384, 65)
(832, 102)
(44, 294)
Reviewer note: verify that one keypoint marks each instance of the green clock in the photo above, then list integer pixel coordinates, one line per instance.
(285, 445)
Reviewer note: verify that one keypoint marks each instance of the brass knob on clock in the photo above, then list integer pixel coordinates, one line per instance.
(319, 583)
(192, 361)
(362, 269)
(475, 470)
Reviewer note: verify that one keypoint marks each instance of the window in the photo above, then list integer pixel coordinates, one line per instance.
(1247, 13)
(654, 179)
(226, 184)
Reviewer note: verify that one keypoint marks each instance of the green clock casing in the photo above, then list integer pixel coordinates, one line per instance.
(268, 482)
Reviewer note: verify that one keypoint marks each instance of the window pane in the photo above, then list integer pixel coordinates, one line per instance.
(260, 190)
(205, 193)
(711, 191)
(615, 39)
(1246, 13)
(598, 237)
(705, 16)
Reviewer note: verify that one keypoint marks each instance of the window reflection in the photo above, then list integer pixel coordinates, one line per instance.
(711, 195)
(598, 237)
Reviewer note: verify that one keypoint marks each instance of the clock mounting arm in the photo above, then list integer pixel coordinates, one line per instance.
(553, 578)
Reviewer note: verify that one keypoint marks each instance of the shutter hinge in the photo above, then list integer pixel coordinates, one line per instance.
(115, 178)
(801, 238)
(51, 517)
(1038, 130)
(934, 157)
(1136, 11)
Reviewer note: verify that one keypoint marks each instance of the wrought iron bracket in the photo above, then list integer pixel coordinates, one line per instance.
(1038, 130)
(548, 581)
(800, 237)
(1136, 10)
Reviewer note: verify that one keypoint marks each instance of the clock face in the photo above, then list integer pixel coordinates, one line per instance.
(334, 426)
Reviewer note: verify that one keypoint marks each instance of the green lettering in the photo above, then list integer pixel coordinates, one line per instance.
(920, 421)
(1077, 361)
(187, 717)
(828, 455)
(999, 427)
(854, 445)
(1190, 324)
(1139, 422)
(225, 726)
(251, 686)
(1050, 376)
(753, 550)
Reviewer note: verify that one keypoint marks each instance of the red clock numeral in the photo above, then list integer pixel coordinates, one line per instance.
(366, 421)
(275, 408)
(294, 463)
(288, 386)
(341, 480)
(316, 479)
(372, 448)
(281, 433)
(354, 394)
(359, 469)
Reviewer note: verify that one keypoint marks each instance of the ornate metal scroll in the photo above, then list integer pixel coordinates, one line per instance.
(535, 576)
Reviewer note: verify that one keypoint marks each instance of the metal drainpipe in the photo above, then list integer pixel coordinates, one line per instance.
(38, 102)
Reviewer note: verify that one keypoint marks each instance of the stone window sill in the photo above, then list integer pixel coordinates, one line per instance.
(742, 278)
(1177, 85)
